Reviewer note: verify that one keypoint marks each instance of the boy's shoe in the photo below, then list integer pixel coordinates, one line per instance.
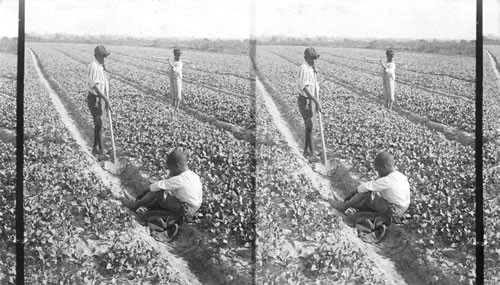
(167, 235)
(95, 151)
(375, 236)
(172, 231)
(141, 210)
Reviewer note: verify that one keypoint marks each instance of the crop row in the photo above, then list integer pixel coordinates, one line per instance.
(441, 171)
(7, 170)
(442, 82)
(458, 67)
(227, 108)
(300, 240)
(219, 63)
(191, 73)
(148, 129)
(224, 71)
(491, 162)
(8, 74)
(442, 109)
(68, 211)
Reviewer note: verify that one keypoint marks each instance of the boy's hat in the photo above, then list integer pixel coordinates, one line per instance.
(177, 51)
(176, 157)
(310, 53)
(389, 52)
(100, 50)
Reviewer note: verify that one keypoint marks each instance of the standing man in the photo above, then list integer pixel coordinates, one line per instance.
(175, 74)
(388, 77)
(98, 98)
(308, 89)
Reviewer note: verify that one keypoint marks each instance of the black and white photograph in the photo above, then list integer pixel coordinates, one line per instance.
(139, 143)
(250, 142)
(371, 108)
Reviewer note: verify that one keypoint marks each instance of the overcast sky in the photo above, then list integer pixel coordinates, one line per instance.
(423, 19)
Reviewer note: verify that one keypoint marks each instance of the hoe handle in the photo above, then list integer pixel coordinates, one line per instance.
(112, 137)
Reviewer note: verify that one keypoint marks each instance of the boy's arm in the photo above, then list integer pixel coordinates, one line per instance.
(381, 184)
(382, 63)
(168, 184)
(170, 63)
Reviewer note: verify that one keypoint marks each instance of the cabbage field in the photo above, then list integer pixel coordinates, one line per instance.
(491, 162)
(430, 132)
(265, 218)
(8, 75)
(215, 129)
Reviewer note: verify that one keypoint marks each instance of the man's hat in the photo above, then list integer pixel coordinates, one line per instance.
(310, 53)
(389, 52)
(177, 51)
(100, 50)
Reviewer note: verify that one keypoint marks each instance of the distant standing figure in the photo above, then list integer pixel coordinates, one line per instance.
(98, 98)
(175, 74)
(308, 89)
(389, 78)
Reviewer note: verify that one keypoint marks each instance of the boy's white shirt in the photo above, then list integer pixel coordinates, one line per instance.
(394, 188)
(186, 187)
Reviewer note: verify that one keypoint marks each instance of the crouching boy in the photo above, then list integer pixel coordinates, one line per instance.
(385, 198)
(180, 194)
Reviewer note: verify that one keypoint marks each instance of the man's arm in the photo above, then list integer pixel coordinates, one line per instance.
(94, 80)
(310, 96)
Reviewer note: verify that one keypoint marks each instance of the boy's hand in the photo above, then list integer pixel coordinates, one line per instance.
(108, 106)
